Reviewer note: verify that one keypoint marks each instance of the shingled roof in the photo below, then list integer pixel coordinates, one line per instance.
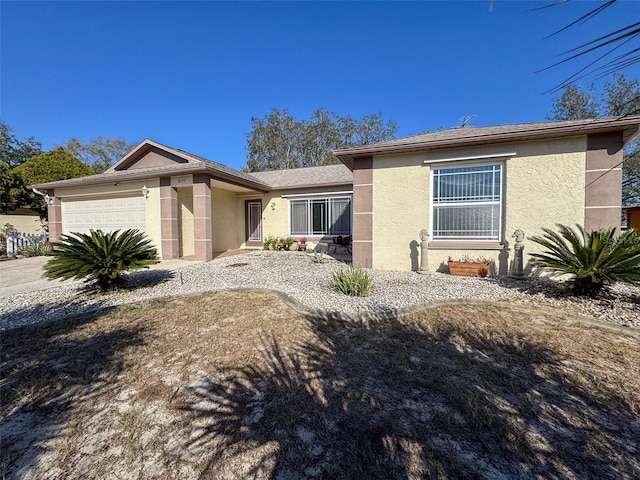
(309, 177)
(306, 177)
(470, 136)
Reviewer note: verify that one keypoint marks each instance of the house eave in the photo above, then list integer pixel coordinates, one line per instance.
(628, 125)
(132, 175)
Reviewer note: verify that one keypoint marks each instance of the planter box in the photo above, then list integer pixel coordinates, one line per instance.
(469, 269)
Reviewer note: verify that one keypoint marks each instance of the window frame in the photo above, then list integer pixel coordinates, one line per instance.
(310, 200)
(432, 205)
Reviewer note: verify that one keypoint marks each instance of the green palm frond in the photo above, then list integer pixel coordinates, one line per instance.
(592, 258)
(100, 257)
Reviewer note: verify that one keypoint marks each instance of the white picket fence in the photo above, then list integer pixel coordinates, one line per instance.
(17, 240)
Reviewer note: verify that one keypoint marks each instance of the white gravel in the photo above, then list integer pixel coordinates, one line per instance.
(294, 274)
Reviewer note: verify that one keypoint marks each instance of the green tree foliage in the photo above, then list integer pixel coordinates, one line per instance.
(15, 152)
(13, 193)
(47, 167)
(575, 104)
(593, 259)
(100, 152)
(620, 97)
(54, 165)
(101, 258)
(280, 141)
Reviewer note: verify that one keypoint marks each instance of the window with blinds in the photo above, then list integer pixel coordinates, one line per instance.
(320, 216)
(467, 202)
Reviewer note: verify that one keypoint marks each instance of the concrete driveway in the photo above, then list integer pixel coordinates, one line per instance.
(25, 274)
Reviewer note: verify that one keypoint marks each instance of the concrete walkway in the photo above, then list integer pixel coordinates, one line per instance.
(25, 274)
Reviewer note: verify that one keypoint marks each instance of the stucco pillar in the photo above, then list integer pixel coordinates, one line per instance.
(202, 218)
(169, 220)
(55, 219)
(603, 181)
(362, 245)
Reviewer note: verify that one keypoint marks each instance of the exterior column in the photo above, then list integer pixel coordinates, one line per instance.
(202, 218)
(169, 220)
(362, 246)
(55, 219)
(603, 181)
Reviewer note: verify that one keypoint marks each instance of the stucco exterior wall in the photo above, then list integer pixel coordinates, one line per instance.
(400, 211)
(543, 184)
(185, 222)
(227, 220)
(23, 220)
(152, 203)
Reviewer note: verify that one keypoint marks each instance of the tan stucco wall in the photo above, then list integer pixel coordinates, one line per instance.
(227, 220)
(152, 209)
(23, 221)
(185, 222)
(543, 184)
(400, 210)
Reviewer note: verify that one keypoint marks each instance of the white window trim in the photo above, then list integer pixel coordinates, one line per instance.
(316, 196)
(501, 204)
(302, 196)
(472, 157)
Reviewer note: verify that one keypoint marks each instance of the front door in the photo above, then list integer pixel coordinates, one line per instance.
(253, 222)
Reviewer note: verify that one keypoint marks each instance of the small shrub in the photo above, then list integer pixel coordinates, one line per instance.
(36, 250)
(288, 241)
(101, 258)
(593, 259)
(352, 281)
(317, 257)
(270, 242)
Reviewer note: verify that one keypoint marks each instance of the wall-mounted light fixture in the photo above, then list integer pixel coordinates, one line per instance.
(48, 199)
(273, 205)
(145, 191)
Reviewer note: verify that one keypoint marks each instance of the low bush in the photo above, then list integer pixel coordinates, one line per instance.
(101, 258)
(352, 281)
(36, 250)
(270, 243)
(593, 259)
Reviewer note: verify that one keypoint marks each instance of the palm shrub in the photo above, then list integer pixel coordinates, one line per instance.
(352, 281)
(593, 259)
(100, 258)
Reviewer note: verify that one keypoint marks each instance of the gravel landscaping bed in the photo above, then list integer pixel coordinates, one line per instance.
(294, 274)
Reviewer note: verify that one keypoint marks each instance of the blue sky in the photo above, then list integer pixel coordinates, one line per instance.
(192, 74)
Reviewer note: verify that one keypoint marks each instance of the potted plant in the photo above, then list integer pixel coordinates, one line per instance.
(302, 244)
(280, 245)
(469, 267)
(289, 244)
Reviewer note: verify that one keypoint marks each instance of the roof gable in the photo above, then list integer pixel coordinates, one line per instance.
(149, 154)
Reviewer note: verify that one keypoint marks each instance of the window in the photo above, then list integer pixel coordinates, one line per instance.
(320, 216)
(467, 203)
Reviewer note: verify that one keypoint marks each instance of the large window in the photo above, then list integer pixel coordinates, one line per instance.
(320, 216)
(467, 203)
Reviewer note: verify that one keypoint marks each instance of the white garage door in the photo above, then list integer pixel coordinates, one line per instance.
(106, 214)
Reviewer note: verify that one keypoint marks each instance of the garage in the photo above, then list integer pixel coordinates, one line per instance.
(106, 214)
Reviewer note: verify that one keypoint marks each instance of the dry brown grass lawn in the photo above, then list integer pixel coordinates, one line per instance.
(239, 385)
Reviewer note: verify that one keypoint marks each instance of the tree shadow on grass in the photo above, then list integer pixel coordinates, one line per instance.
(411, 398)
(46, 372)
